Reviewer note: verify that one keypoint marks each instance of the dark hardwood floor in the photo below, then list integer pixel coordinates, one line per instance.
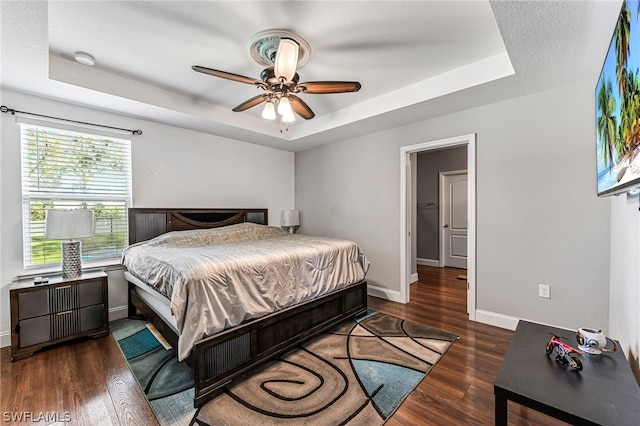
(89, 381)
(459, 389)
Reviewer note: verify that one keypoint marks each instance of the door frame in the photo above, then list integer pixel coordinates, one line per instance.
(406, 203)
(441, 176)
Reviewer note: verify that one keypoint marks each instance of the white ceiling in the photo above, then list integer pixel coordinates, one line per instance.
(414, 59)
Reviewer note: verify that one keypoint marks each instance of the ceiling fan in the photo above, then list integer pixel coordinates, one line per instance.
(283, 52)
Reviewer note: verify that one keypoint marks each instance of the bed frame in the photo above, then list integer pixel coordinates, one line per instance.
(217, 360)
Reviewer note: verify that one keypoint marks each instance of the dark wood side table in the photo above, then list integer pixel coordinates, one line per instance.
(605, 392)
(60, 310)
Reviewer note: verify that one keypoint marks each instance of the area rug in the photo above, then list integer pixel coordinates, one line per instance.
(358, 373)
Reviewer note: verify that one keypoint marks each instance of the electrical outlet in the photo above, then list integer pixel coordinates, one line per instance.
(544, 290)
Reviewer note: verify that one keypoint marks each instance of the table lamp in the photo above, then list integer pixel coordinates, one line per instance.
(290, 220)
(67, 225)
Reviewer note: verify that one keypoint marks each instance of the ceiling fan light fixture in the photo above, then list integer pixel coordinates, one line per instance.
(283, 52)
(284, 106)
(286, 59)
(269, 111)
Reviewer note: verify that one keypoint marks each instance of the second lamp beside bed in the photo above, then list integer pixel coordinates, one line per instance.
(290, 220)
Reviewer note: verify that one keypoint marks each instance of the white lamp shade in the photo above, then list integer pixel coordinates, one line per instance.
(288, 118)
(66, 224)
(284, 106)
(286, 59)
(269, 111)
(290, 218)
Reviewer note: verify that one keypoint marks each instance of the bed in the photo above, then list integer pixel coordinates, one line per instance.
(232, 341)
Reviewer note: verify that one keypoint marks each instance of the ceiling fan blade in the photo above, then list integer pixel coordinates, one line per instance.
(250, 103)
(301, 108)
(227, 75)
(321, 87)
(286, 60)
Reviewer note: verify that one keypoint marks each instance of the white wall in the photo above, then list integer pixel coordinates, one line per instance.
(538, 218)
(624, 312)
(171, 167)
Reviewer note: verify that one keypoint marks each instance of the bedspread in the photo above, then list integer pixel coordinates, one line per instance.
(219, 278)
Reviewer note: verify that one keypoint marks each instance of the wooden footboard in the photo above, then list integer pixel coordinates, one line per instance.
(221, 358)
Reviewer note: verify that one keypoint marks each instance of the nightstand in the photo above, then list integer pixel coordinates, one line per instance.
(57, 311)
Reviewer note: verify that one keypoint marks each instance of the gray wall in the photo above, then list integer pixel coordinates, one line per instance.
(538, 219)
(430, 164)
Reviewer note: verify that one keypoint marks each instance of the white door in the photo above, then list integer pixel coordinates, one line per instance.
(453, 219)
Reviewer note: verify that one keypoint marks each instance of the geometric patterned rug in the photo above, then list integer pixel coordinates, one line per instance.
(357, 373)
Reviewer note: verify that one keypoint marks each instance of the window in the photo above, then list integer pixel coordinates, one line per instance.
(70, 170)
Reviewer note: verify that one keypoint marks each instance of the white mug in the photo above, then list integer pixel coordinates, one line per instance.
(593, 341)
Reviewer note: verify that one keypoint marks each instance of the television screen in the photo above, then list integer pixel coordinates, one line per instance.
(618, 107)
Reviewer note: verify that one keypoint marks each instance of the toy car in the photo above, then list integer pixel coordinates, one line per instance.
(564, 353)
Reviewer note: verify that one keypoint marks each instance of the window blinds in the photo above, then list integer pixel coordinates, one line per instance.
(72, 170)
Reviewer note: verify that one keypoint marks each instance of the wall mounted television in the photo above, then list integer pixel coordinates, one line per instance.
(617, 104)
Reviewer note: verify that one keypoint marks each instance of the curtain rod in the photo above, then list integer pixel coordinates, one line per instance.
(6, 109)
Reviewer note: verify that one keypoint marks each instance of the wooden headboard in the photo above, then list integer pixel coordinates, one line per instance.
(147, 223)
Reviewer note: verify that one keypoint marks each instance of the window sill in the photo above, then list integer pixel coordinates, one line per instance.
(45, 271)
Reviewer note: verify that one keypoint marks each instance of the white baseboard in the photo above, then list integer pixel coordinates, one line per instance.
(118, 312)
(506, 321)
(428, 262)
(384, 293)
(498, 320)
(5, 339)
(413, 278)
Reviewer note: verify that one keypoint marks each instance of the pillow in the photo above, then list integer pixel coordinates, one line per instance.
(225, 234)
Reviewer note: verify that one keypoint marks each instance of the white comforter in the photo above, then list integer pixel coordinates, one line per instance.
(218, 278)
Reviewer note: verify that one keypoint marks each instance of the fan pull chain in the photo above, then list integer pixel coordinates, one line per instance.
(286, 127)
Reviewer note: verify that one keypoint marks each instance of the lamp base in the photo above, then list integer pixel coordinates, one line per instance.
(71, 259)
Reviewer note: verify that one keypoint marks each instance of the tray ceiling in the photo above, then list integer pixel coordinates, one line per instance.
(414, 59)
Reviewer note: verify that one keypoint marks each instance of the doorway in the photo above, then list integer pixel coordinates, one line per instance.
(407, 214)
(453, 219)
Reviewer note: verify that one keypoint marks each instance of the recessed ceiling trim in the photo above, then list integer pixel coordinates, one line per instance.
(483, 71)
